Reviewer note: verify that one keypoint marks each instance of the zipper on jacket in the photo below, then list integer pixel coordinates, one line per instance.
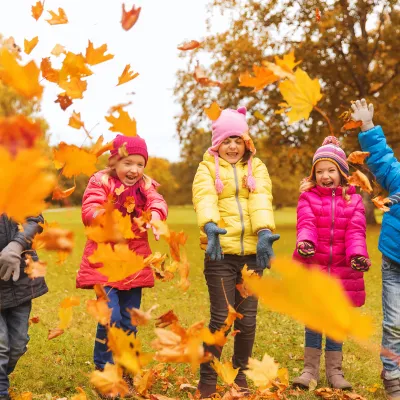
(333, 204)
(240, 210)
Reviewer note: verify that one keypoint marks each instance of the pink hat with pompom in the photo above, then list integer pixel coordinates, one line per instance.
(133, 145)
(231, 123)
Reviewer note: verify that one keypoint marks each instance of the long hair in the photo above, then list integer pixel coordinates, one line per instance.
(308, 183)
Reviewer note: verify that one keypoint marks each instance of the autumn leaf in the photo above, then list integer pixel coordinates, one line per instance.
(34, 182)
(381, 203)
(48, 72)
(99, 148)
(100, 310)
(225, 371)
(183, 268)
(263, 372)
(74, 88)
(145, 382)
(119, 106)
(119, 262)
(129, 204)
(288, 62)
(317, 15)
(120, 190)
(53, 333)
(66, 157)
(201, 77)
(23, 79)
(166, 319)
(358, 157)
(97, 56)
(144, 220)
(72, 301)
(139, 317)
(213, 112)
(75, 121)
(37, 10)
(74, 66)
(317, 297)
(127, 75)
(80, 396)
(57, 19)
(262, 77)
(123, 124)
(34, 320)
(259, 116)
(110, 382)
(64, 315)
(63, 100)
(129, 18)
(175, 240)
(351, 125)
(54, 238)
(35, 269)
(29, 45)
(193, 44)
(361, 180)
(58, 50)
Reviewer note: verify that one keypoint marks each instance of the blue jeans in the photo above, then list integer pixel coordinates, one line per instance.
(120, 302)
(14, 337)
(314, 340)
(391, 317)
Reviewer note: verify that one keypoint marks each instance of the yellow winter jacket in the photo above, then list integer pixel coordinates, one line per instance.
(239, 211)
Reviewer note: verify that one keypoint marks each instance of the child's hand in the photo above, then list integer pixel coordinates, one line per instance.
(306, 249)
(360, 263)
(214, 250)
(264, 248)
(363, 112)
(155, 216)
(10, 261)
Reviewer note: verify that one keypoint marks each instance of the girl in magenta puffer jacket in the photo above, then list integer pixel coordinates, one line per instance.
(126, 173)
(331, 234)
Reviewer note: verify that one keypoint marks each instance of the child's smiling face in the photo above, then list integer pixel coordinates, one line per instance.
(327, 174)
(232, 149)
(130, 169)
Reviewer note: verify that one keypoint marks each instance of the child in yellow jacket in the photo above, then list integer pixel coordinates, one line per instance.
(232, 187)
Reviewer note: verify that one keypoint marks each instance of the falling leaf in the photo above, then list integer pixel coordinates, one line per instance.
(75, 121)
(317, 15)
(123, 124)
(375, 86)
(99, 148)
(37, 10)
(74, 88)
(263, 372)
(358, 157)
(144, 220)
(288, 61)
(72, 301)
(262, 77)
(277, 70)
(48, 72)
(64, 101)
(110, 382)
(302, 95)
(259, 116)
(54, 238)
(23, 79)
(317, 297)
(35, 269)
(67, 157)
(80, 396)
(225, 371)
(193, 44)
(74, 66)
(175, 240)
(129, 18)
(97, 56)
(119, 106)
(351, 125)
(141, 318)
(213, 112)
(129, 204)
(57, 19)
(100, 310)
(381, 203)
(29, 45)
(120, 190)
(201, 77)
(145, 382)
(166, 319)
(58, 50)
(361, 180)
(127, 75)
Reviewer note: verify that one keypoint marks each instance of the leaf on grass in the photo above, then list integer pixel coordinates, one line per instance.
(361, 180)
(110, 382)
(262, 77)
(37, 10)
(225, 371)
(263, 372)
(58, 50)
(97, 56)
(123, 124)
(53, 333)
(80, 396)
(129, 18)
(29, 45)
(358, 157)
(127, 75)
(57, 19)
(63, 100)
(381, 203)
(193, 44)
(213, 112)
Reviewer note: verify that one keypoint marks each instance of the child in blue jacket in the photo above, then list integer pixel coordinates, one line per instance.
(386, 168)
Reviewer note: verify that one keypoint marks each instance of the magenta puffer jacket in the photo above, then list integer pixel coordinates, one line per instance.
(95, 195)
(337, 228)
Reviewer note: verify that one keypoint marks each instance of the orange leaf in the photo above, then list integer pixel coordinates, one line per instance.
(29, 45)
(141, 318)
(37, 10)
(74, 65)
(380, 203)
(166, 319)
(59, 194)
(201, 77)
(72, 301)
(23, 79)
(127, 75)
(53, 333)
(193, 44)
(129, 18)
(214, 111)
(35, 269)
(80, 396)
(123, 124)
(317, 14)
(175, 239)
(360, 179)
(63, 100)
(97, 56)
(129, 204)
(351, 125)
(74, 88)
(58, 50)
(35, 319)
(75, 121)
(119, 106)
(120, 190)
(262, 77)
(54, 238)
(99, 148)
(358, 157)
(57, 19)
(109, 382)
(99, 310)
(48, 72)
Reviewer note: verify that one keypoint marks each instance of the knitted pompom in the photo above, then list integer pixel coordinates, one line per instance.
(219, 186)
(251, 183)
(331, 140)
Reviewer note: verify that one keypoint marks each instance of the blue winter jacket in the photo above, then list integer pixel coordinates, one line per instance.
(384, 165)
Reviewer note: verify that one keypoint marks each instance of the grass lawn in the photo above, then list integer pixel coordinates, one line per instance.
(53, 369)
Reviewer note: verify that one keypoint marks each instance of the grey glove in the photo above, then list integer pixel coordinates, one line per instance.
(10, 261)
(264, 248)
(214, 251)
(363, 112)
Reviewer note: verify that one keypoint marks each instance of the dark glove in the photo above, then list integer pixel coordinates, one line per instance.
(214, 251)
(306, 249)
(360, 263)
(264, 248)
(10, 261)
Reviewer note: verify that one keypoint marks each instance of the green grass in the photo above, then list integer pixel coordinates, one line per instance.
(52, 369)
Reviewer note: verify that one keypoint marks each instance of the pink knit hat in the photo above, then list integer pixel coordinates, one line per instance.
(331, 151)
(231, 123)
(133, 145)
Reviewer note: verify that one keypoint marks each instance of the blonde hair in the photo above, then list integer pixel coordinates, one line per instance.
(308, 183)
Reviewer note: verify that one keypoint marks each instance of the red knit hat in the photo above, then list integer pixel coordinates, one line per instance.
(133, 145)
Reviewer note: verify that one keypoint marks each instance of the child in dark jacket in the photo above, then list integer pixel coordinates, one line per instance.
(16, 293)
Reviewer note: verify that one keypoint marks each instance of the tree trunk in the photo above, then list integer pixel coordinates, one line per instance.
(369, 209)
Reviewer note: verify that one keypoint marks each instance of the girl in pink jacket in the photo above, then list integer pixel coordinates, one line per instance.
(331, 234)
(126, 171)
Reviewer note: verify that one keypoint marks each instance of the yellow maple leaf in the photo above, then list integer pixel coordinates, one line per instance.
(48, 72)
(127, 75)
(26, 174)
(29, 45)
(263, 372)
(225, 371)
(23, 79)
(287, 62)
(319, 302)
(74, 66)
(118, 263)
(109, 381)
(99, 310)
(97, 56)
(123, 124)
(74, 160)
(69, 302)
(58, 50)
(279, 71)
(262, 77)
(75, 121)
(74, 88)
(301, 95)
(54, 238)
(213, 112)
(37, 10)
(57, 19)
(80, 396)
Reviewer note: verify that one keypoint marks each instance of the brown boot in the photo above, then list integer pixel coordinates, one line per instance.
(392, 387)
(206, 390)
(334, 372)
(312, 359)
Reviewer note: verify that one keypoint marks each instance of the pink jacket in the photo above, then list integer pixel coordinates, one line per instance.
(95, 195)
(337, 229)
